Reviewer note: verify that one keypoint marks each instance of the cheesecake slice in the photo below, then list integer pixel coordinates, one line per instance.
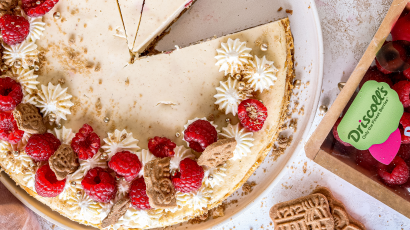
(143, 26)
(131, 11)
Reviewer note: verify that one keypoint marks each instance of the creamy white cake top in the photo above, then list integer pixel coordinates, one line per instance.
(105, 86)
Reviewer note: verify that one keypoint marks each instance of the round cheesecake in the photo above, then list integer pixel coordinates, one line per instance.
(76, 69)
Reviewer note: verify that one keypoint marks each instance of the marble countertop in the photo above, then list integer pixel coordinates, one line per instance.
(348, 26)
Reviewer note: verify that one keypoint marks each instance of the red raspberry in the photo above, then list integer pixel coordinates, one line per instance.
(10, 94)
(46, 183)
(403, 90)
(252, 114)
(138, 194)
(381, 69)
(40, 147)
(200, 134)
(125, 164)
(374, 74)
(405, 120)
(404, 152)
(342, 150)
(396, 173)
(8, 128)
(99, 185)
(336, 135)
(189, 178)
(365, 159)
(396, 77)
(161, 147)
(404, 139)
(86, 143)
(33, 9)
(401, 30)
(14, 29)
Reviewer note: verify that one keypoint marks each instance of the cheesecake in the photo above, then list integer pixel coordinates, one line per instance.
(144, 20)
(75, 69)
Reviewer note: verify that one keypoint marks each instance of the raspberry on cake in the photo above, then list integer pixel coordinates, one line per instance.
(85, 143)
(161, 147)
(189, 178)
(199, 134)
(37, 8)
(10, 94)
(46, 182)
(138, 194)
(41, 147)
(252, 114)
(125, 164)
(8, 128)
(99, 185)
(14, 29)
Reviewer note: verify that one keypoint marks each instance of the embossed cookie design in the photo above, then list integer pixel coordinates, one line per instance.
(343, 221)
(217, 153)
(63, 161)
(29, 119)
(160, 190)
(117, 211)
(309, 212)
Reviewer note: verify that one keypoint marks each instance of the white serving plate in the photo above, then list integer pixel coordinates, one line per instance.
(205, 19)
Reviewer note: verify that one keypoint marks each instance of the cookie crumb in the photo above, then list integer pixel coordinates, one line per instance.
(280, 9)
(61, 81)
(97, 67)
(218, 211)
(289, 11)
(199, 219)
(248, 187)
(305, 167)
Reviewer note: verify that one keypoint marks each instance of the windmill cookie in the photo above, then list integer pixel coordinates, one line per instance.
(309, 212)
(117, 211)
(217, 153)
(160, 190)
(29, 119)
(343, 221)
(63, 161)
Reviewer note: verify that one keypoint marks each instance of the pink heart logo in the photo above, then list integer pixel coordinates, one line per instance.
(386, 151)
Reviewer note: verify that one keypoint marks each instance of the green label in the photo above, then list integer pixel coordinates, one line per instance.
(374, 114)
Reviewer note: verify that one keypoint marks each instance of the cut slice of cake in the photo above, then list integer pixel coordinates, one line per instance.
(156, 16)
(131, 11)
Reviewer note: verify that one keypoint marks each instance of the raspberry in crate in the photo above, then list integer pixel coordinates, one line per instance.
(365, 136)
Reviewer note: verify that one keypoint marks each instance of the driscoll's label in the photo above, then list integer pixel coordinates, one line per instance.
(372, 117)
